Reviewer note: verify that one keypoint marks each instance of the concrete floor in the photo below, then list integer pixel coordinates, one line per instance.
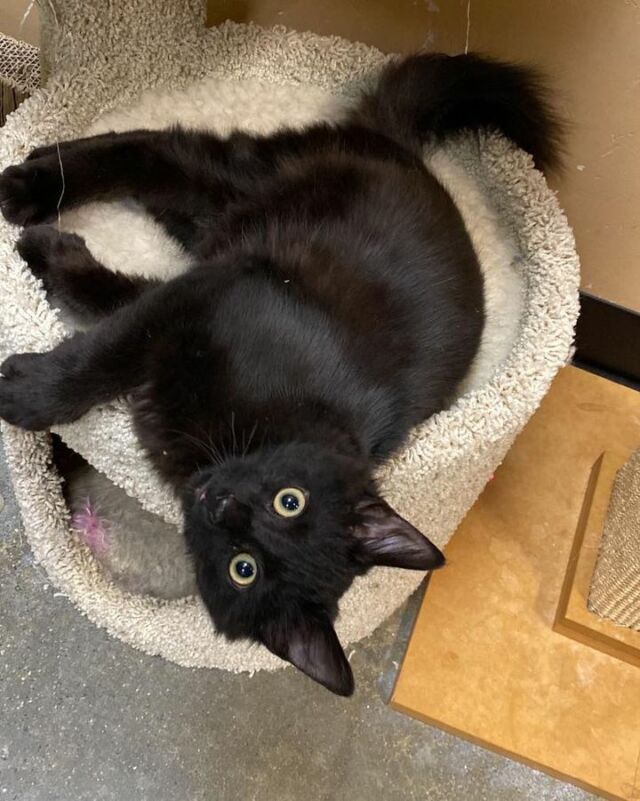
(84, 717)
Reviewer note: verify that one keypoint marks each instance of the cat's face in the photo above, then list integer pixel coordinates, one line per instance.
(278, 536)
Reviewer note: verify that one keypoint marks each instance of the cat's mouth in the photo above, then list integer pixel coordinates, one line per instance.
(200, 489)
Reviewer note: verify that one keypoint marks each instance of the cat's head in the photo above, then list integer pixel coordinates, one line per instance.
(277, 538)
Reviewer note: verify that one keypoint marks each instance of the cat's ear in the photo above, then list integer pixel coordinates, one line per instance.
(312, 645)
(385, 538)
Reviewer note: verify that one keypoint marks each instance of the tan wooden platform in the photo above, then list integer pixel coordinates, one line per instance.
(484, 660)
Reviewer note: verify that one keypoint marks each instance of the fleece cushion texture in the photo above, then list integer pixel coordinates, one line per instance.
(118, 70)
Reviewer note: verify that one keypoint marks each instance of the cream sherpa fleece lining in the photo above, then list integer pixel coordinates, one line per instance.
(448, 460)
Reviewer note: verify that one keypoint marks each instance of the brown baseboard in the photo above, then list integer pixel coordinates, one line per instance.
(607, 337)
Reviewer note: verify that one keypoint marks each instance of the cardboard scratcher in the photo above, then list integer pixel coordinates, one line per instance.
(575, 617)
(264, 78)
(614, 591)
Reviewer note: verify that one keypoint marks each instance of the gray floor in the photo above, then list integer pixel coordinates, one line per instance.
(85, 717)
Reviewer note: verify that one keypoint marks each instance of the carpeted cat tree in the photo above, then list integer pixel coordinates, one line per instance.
(151, 63)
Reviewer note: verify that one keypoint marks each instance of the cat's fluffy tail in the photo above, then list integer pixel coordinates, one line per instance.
(431, 96)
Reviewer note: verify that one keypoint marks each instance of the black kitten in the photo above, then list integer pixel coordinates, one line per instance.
(336, 302)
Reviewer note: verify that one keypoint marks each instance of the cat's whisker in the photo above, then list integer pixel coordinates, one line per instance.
(222, 446)
(208, 450)
(233, 434)
(252, 434)
(213, 449)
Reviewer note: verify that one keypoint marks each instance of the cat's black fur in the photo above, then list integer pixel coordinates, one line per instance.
(336, 302)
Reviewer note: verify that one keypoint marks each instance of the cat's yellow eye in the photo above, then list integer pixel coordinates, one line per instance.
(243, 569)
(289, 502)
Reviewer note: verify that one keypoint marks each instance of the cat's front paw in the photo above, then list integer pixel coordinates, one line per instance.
(50, 252)
(30, 192)
(25, 392)
(39, 247)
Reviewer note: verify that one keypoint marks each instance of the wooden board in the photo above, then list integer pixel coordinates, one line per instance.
(484, 660)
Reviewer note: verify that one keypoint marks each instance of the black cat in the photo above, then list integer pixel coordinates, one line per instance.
(335, 303)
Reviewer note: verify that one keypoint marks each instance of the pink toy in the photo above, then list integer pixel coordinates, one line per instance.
(91, 529)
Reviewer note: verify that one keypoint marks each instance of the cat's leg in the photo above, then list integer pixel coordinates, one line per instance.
(68, 144)
(173, 170)
(38, 390)
(73, 277)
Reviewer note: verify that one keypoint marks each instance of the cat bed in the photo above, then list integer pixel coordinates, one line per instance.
(101, 60)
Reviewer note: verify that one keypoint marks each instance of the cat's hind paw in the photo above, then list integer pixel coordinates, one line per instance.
(24, 397)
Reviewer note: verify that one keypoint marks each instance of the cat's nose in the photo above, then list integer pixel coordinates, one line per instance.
(230, 513)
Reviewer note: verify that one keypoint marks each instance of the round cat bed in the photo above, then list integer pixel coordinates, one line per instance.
(245, 76)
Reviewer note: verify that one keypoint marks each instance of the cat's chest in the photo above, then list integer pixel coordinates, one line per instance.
(275, 341)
